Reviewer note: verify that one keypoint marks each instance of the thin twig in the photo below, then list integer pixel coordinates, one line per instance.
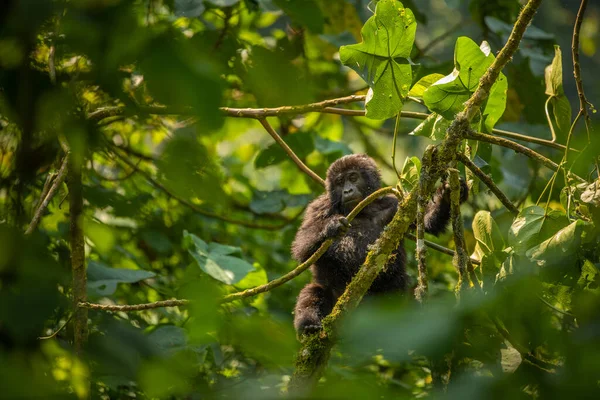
(483, 137)
(488, 182)
(259, 113)
(60, 178)
(394, 147)
(434, 42)
(290, 152)
(437, 247)
(56, 332)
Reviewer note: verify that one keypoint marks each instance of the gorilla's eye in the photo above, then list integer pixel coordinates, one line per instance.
(353, 177)
(339, 181)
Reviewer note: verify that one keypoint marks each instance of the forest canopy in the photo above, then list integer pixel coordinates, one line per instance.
(157, 158)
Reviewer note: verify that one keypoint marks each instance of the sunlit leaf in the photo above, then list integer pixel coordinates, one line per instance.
(418, 90)
(448, 95)
(410, 173)
(532, 226)
(382, 58)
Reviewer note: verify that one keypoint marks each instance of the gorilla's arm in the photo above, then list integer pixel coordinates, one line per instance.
(437, 212)
(317, 226)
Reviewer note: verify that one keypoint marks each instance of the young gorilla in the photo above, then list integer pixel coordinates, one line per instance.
(349, 180)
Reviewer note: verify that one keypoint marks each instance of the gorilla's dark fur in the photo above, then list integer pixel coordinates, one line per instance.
(355, 176)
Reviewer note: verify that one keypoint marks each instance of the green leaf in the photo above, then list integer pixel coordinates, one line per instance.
(489, 245)
(216, 261)
(301, 143)
(532, 226)
(433, 127)
(418, 90)
(561, 108)
(591, 194)
(487, 233)
(103, 280)
(448, 95)
(381, 59)
(553, 75)
(168, 339)
(411, 170)
(559, 250)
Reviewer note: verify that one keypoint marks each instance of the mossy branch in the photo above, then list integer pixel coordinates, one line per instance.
(47, 196)
(461, 257)
(79, 290)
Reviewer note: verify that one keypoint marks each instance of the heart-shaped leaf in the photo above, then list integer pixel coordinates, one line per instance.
(381, 58)
(448, 95)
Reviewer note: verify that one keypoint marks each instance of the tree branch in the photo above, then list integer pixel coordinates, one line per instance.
(488, 182)
(290, 152)
(58, 180)
(134, 307)
(422, 289)
(261, 113)
(80, 327)
(482, 137)
(461, 257)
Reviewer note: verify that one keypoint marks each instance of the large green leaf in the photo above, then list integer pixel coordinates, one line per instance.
(532, 226)
(448, 95)
(434, 127)
(411, 171)
(381, 58)
(559, 250)
(489, 247)
(103, 280)
(216, 260)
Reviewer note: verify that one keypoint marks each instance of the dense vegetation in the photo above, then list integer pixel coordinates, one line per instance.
(156, 158)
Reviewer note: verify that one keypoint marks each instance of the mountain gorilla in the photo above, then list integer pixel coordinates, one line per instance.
(349, 180)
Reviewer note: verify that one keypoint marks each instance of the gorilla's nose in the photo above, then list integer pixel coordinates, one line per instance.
(348, 191)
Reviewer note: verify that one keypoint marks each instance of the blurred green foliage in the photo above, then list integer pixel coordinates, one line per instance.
(183, 202)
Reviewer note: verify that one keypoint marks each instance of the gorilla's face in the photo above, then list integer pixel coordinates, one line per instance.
(350, 188)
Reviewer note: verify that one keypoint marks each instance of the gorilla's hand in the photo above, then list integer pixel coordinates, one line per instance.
(337, 227)
(464, 191)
